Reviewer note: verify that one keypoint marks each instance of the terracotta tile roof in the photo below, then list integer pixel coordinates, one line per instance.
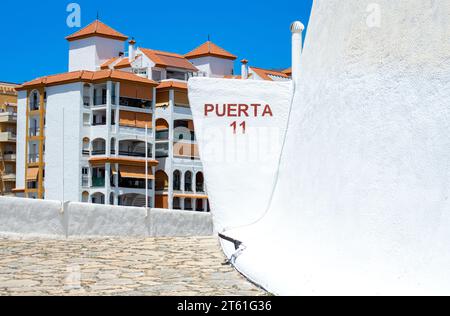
(288, 71)
(210, 49)
(172, 85)
(124, 63)
(109, 62)
(232, 77)
(166, 59)
(97, 28)
(265, 73)
(86, 76)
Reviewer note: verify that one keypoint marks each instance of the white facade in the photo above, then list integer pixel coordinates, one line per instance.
(90, 53)
(62, 142)
(210, 66)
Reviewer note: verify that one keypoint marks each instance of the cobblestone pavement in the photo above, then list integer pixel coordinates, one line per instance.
(155, 266)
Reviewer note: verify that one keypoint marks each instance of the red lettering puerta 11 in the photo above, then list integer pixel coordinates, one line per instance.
(239, 110)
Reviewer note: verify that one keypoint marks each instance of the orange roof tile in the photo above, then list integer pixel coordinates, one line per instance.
(124, 63)
(210, 49)
(166, 59)
(108, 63)
(86, 76)
(172, 85)
(287, 71)
(97, 28)
(265, 73)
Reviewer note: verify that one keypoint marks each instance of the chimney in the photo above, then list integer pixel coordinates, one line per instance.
(297, 29)
(244, 69)
(131, 50)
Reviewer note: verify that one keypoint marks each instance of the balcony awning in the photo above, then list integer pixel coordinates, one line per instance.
(32, 174)
(191, 196)
(135, 172)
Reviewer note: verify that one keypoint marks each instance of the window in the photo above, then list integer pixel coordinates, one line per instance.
(156, 75)
(85, 171)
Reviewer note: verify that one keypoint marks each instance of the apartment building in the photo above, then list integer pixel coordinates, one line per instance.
(8, 121)
(116, 126)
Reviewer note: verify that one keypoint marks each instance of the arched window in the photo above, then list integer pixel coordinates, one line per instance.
(34, 100)
(85, 197)
(161, 181)
(162, 129)
(98, 147)
(98, 198)
(177, 180)
(188, 181)
(199, 182)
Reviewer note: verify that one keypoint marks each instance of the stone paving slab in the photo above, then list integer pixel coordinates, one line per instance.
(118, 266)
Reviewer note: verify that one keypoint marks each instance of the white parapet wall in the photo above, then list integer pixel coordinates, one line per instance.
(52, 218)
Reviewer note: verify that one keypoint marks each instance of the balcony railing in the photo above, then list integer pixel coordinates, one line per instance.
(86, 152)
(102, 123)
(199, 188)
(98, 101)
(34, 131)
(86, 101)
(98, 182)
(33, 158)
(85, 181)
(7, 136)
(134, 154)
(162, 135)
(34, 106)
(135, 103)
(9, 156)
(98, 152)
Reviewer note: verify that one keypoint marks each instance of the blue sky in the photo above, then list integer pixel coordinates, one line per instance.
(255, 30)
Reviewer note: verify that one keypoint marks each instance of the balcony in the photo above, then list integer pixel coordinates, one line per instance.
(33, 131)
(135, 154)
(9, 156)
(9, 176)
(98, 152)
(199, 188)
(162, 135)
(7, 117)
(7, 137)
(135, 103)
(85, 181)
(86, 101)
(100, 101)
(33, 158)
(98, 182)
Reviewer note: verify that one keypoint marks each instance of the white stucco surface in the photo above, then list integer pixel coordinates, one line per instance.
(63, 142)
(231, 161)
(173, 223)
(214, 66)
(90, 53)
(51, 218)
(106, 220)
(27, 216)
(362, 201)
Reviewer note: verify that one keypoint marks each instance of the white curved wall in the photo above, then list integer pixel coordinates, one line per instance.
(362, 203)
